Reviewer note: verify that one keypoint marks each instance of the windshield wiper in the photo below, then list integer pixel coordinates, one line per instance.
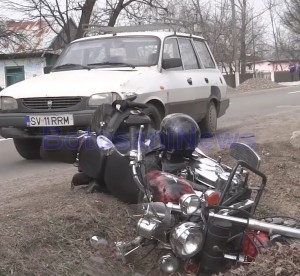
(71, 66)
(111, 63)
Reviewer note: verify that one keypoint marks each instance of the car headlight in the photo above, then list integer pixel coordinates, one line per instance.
(189, 203)
(102, 98)
(8, 103)
(128, 95)
(187, 239)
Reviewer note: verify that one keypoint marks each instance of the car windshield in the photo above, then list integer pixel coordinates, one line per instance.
(128, 51)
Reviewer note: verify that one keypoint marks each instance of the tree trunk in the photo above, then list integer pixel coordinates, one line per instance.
(271, 4)
(243, 41)
(235, 45)
(115, 14)
(86, 14)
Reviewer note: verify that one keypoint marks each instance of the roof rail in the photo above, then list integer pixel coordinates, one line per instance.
(95, 28)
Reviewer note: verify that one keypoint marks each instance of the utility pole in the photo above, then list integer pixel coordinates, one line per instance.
(235, 45)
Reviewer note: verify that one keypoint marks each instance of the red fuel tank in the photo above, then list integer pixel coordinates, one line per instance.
(167, 187)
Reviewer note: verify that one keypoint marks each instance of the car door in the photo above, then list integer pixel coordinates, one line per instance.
(210, 71)
(174, 80)
(197, 93)
(190, 92)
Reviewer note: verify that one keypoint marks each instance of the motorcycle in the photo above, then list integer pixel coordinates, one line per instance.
(120, 123)
(204, 230)
(199, 210)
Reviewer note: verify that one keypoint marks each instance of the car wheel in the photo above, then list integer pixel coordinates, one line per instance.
(154, 115)
(208, 125)
(28, 148)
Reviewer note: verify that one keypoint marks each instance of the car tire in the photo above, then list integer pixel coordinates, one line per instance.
(28, 148)
(208, 125)
(154, 115)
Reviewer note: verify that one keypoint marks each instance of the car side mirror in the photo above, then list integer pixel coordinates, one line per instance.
(170, 63)
(47, 69)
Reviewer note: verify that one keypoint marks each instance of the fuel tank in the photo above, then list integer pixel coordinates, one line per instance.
(167, 187)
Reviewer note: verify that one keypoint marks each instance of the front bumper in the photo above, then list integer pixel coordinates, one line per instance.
(224, 104)
(13, 125)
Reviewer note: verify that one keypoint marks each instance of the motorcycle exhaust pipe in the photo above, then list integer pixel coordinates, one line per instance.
(262, 226)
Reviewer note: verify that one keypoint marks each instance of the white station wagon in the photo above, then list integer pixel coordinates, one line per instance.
(172, 72)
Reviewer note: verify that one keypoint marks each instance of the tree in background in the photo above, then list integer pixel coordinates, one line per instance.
(291, 15)
(9, 37)
(58, 13)
(211, 19)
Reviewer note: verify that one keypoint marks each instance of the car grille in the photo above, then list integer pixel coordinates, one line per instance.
(51, 102)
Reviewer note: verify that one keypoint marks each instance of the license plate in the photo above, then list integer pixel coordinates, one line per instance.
(52, 120)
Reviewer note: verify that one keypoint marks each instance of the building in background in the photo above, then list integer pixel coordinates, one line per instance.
(270, 65)
(34, 46)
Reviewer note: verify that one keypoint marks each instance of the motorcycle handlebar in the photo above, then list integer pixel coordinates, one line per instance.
(261, 226)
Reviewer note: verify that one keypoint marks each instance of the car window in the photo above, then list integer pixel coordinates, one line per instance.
(171, 50)
(189, 58)
(135, 50)
(204, 54)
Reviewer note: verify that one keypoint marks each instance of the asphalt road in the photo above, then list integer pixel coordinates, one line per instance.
(258, 104)
(242, 106)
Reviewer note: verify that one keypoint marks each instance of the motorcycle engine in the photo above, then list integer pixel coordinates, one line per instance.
(211, 174)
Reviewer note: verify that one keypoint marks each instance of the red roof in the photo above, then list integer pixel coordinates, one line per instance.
(31, 36)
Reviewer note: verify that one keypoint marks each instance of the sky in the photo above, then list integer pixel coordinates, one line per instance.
(258, 5)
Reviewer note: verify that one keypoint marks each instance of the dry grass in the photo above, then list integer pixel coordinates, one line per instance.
(45, 229)
(51, 237)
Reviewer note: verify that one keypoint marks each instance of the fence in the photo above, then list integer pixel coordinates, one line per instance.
(281, 76)
(286, 76)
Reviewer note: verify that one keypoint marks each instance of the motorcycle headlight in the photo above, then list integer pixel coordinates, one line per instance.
(189, 203)
(102, 98)
(8, 103)
(187, 239)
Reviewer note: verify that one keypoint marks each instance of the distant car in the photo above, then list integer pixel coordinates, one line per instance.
(172, 72)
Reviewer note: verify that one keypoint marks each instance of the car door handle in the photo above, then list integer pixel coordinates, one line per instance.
(206, 80)
(190, 81)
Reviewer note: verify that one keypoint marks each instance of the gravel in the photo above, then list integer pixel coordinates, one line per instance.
(254, 84)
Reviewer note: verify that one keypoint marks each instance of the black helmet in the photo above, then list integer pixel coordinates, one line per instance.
(180, 134)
